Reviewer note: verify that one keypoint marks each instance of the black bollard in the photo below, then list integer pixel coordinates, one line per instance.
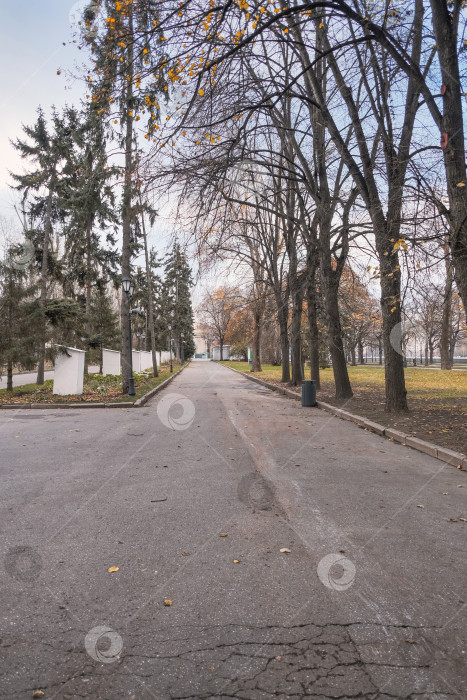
(308, 393)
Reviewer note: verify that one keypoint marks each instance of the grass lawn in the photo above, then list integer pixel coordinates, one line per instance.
(437, 400)
(97, 389)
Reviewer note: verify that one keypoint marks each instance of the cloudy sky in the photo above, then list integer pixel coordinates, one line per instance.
(31, 40)
(32, 50)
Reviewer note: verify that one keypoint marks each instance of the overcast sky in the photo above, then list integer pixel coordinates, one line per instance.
(32, 34)
(31, 40)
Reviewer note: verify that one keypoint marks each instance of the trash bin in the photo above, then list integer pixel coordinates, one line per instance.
(308, 393)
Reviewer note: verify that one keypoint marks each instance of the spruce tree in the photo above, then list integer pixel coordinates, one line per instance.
(121, 55)
(22, 321)
(177, 300)
(104, 330)
(45, 147)
(89, 202)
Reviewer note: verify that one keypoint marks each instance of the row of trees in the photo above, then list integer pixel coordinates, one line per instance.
(299, 141)
(304, 136)
(80, 306)
(226, 317)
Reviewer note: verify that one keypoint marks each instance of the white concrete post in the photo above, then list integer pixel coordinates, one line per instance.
(69, 372)
(146, 360)
(110, 361)
(165, 357)
(136, 354)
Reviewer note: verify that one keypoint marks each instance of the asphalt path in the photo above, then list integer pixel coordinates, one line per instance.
(24, 378)
(193, 497)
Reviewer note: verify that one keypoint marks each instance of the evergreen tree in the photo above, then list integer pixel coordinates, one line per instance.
(22, 321)
(160, 317)
(150, 324)
(121, 54)
(103, 320)
(65, 324)
(89, 202)
(177, 300)
(46, 147)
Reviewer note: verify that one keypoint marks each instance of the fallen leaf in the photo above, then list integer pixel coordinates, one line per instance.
(410, 641)
(464, 520)
(111, 569)
(185, 554)
(284, 550)
(167, 603)
(223, 534)
(236, 561)
(419, 506)
(38, 694)
(445, 493)
(211, 668)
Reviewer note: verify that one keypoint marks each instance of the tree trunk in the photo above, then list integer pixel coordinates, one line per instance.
(380, 351)
(296, 338)
(445, 24)
(446, 317)
(257, 328)
(353, 355)
(221, 348)
(283, 318)
(87, 326)
(313, 329)
(426, 352)
(43, 286)
(336, 345)
(452, 348)
(150, 319)
(360, 352)
(396, 393)
(126, 208)
(9, 381)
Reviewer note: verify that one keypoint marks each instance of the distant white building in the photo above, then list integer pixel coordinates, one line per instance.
(216, 352)
(201, 344)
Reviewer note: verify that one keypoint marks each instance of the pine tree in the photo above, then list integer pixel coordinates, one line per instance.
(22, 321)
(104, 330)
(149, 284)
(121, 54)
(177, 300)
(89, 202)
(46, 148)
(65, 323)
